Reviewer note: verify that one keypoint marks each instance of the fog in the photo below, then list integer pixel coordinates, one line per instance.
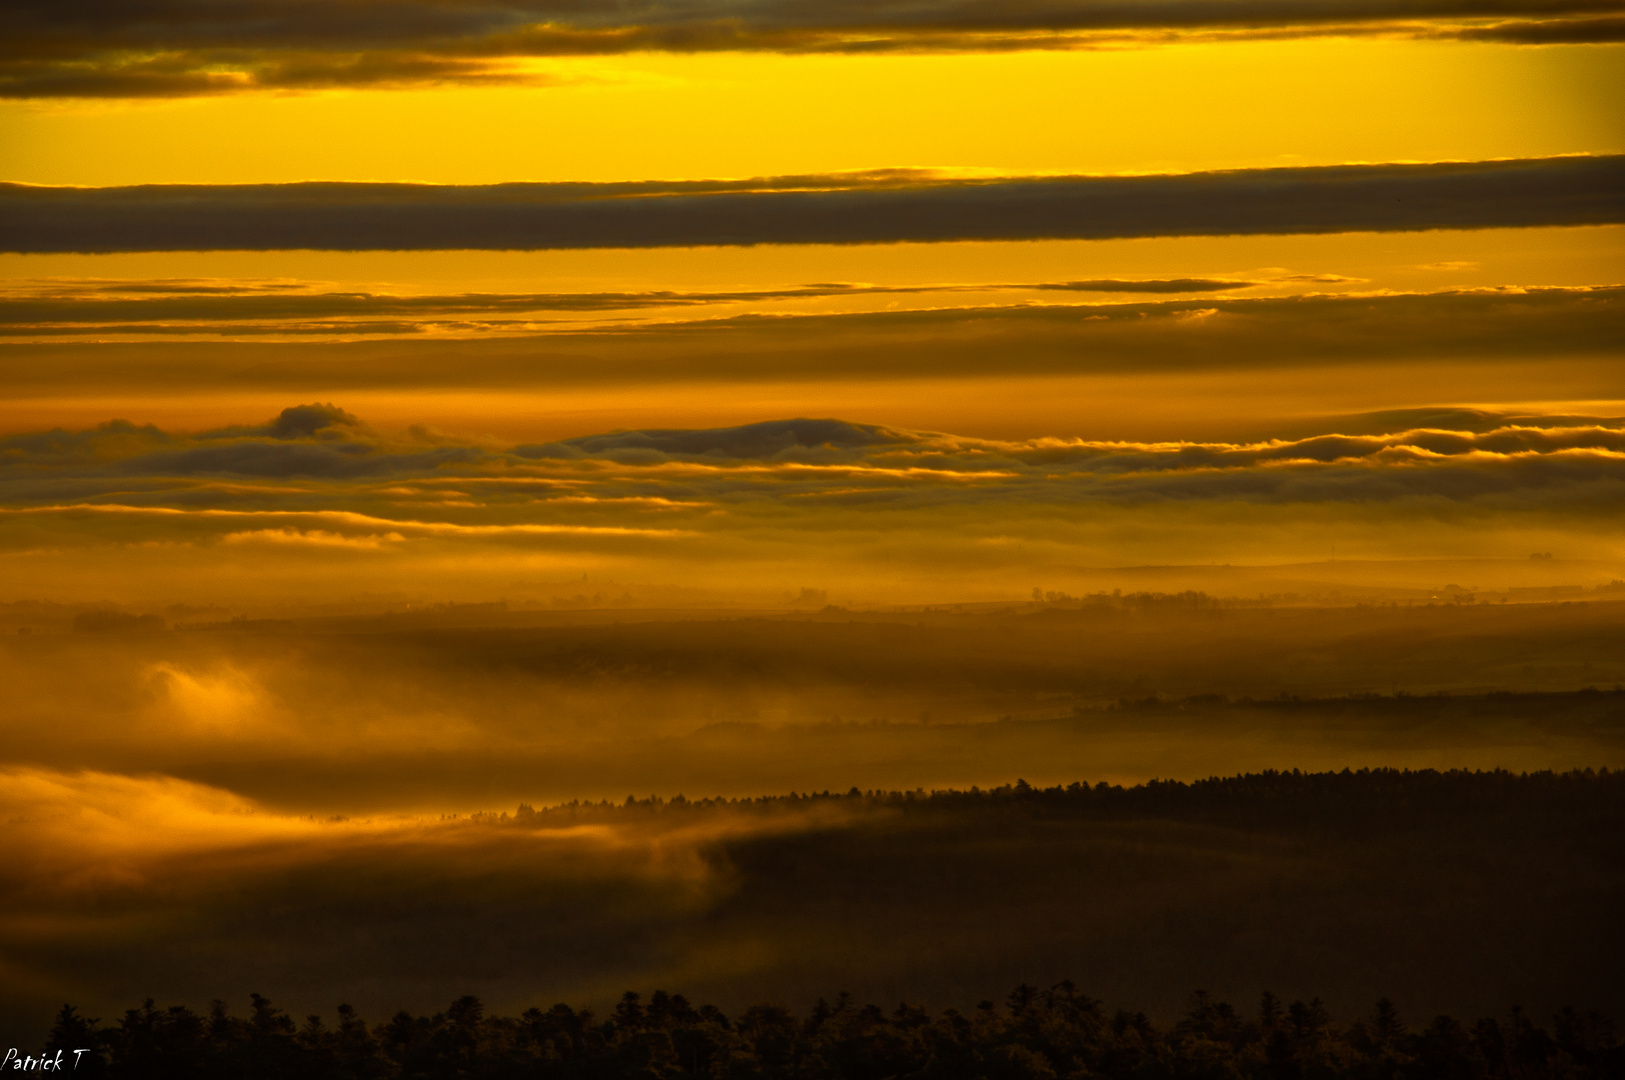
(378, 714)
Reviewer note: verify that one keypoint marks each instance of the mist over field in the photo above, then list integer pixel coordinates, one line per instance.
(386, 713)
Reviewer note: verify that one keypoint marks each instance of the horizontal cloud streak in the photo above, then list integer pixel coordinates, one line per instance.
(854, 209)
(60, 306)
(1598, 31)
(352, 519)
(1212, 334)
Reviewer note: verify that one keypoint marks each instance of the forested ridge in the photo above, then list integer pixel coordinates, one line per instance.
(1036, 1034)
(1362, 798)
(1403, 871)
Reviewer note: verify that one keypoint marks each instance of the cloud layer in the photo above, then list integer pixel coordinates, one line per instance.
(187, 47)
(305, 496)
(1304, 334)
(846, 209)
(59, 308)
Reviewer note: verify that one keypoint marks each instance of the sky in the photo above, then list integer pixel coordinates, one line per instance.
(539, 317)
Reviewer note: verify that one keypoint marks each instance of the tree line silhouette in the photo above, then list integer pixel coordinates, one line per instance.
(1366, 799)
(1037, 1034)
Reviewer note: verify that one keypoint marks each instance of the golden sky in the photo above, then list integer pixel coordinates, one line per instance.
(1174, 108)
(1214, 309)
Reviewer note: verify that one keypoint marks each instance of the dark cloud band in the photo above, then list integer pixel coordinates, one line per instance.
(838, 210)
(168, 48)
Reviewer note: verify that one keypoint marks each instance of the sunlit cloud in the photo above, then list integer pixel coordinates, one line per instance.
(317, 537)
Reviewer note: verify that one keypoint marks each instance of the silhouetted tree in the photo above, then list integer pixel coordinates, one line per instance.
(78, 1041)
(1040, 1035)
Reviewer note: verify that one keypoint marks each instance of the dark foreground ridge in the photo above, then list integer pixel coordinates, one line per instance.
(1448, 892)
(1035, 1035)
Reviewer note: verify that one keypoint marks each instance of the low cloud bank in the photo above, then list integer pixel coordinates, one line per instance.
(323, 441)
(316, 501)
